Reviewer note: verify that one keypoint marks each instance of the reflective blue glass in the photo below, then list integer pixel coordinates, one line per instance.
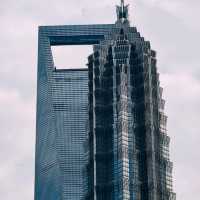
(62, 115)
(101, 131)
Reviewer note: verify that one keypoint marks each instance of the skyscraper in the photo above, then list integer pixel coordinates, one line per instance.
(61, 133)
(101, 132)
(62, 115)
(127, 135)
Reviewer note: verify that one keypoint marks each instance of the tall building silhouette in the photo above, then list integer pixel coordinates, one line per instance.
(129, 146)
(101, 131)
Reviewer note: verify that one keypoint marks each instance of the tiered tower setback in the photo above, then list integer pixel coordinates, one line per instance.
(127, 134)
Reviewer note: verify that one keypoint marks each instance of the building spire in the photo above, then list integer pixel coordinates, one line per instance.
(122, 3)
(122, 6)
(122, 12)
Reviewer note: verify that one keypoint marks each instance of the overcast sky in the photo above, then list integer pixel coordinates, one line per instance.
(173, 28)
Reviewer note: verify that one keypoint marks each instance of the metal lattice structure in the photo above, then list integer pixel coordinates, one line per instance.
(128, 143)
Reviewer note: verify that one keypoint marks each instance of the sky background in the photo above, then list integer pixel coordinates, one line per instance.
(173, 28)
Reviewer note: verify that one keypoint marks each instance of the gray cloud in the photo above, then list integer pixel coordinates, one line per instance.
(172, 28)
(183, 95)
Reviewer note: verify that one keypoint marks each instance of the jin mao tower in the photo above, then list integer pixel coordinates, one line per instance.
(128, 142)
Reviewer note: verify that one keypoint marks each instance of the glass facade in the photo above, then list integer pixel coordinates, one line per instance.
(70, 102)
(129, 146)
(62, 160)
(62, 115)
(101, 132)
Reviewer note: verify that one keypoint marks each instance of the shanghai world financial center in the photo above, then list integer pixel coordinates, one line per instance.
(101, 131)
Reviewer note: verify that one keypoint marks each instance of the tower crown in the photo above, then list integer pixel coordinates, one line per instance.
(122, 12)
